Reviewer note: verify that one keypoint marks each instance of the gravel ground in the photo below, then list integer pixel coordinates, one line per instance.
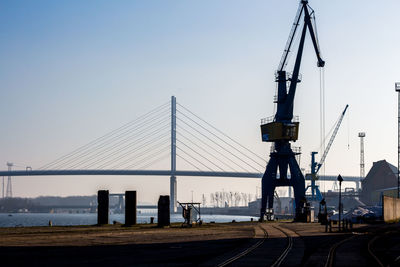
(208, 245)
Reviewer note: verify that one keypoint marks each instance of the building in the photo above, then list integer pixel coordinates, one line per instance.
(381, 176)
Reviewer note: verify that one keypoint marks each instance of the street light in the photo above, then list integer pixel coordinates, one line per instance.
(397, 88)
(340, 179)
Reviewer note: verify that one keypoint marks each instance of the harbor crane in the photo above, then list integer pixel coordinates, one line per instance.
(282, 129)
(315, 166)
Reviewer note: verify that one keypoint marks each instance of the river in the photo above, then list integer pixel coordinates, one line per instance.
(64, 219)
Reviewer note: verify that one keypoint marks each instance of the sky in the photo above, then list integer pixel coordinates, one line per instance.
(72, 71)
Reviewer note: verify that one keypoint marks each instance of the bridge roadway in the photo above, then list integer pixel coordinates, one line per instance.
(157, 173)
(144, 207)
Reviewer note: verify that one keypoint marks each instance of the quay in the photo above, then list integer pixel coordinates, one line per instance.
(211, 244)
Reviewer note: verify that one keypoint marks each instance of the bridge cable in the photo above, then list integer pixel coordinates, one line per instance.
(222, 133)
(208, 153)
(157, 160)
(105, 136)
(223, 141)
(99, 147)
(188, 162)
(223, 148)
(210, 147)
(151, 156)
(142, 153)
(138, 154)
(86, 152)
(108, 142)
(91, 158)
(122, 145)
(129, 152)
(178, 141)
(178, 148)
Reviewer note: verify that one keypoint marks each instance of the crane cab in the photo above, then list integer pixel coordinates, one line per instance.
(275, 131)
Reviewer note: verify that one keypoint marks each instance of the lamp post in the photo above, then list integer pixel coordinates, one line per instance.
(340, 179)
(397, 88)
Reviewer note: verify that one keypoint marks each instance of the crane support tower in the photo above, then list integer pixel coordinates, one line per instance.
(282, 129)
(362, 165)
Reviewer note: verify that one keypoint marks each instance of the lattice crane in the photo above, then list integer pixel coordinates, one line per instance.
(282, 129)
(315, 166)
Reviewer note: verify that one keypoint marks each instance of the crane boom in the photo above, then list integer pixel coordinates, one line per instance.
(285, 55)
(331, 140)
(289, 42)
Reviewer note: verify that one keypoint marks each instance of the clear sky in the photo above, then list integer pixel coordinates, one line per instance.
(73, 70)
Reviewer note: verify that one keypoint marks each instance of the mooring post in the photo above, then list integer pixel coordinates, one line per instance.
(102, 208)
(163, 211)
(130, 207)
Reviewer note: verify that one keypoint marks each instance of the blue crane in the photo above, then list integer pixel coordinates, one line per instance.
(315, 166)
(282, 129)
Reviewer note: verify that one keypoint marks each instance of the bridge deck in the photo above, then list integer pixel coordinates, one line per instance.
(156, 173)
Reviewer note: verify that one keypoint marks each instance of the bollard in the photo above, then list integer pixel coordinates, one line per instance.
(130, 208)
(102, 208)
(163, 211)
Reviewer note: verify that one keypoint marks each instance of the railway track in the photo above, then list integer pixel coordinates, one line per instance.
(332, 252)
(330, 262)
(245, 252)
(232, 260)
(289, 246)
(371, 252)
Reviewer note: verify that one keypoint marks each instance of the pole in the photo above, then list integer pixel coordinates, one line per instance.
(340, 179)
(340, 202)
(397, 88)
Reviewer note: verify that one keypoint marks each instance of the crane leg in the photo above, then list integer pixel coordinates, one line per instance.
(268, 186)
(298, 183)
(282, 159)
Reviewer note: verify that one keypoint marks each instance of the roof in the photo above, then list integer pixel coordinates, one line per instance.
(393, 168)
(387, 189)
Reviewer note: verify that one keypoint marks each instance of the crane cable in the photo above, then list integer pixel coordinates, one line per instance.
(322, 114)
(321, 97)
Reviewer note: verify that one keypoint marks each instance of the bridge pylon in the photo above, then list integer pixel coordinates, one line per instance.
(173, 183)
(9, 184)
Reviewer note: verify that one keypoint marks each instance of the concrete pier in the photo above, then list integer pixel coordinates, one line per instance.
(130, 207)
(103, 207)
(163, 211)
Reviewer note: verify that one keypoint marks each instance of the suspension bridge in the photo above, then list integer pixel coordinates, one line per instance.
(170, 134)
